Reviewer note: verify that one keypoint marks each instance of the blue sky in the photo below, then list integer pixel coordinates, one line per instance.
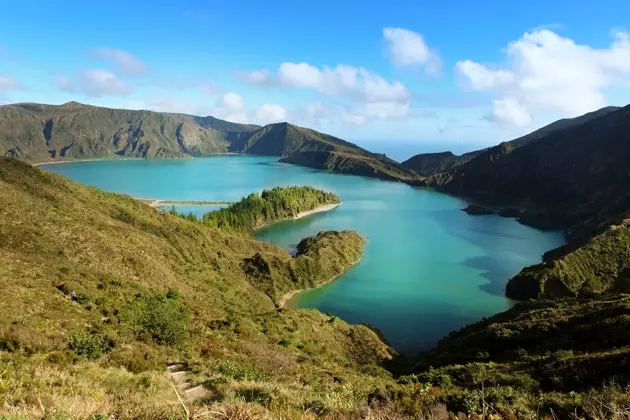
(413, 72)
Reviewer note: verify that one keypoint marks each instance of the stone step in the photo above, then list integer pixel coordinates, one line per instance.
(176, 367)
(196, 392)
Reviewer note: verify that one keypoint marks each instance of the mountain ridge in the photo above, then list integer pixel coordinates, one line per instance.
(427, 164)
(41, 133)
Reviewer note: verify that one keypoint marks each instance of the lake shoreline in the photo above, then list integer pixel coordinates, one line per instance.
(286, 298)
(320, 209)
(156, 203)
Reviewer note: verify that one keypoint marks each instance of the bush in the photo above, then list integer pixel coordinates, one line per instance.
(161, 319)
(89, 344)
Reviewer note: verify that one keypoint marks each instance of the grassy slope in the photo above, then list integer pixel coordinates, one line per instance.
(570, 356)
(122, 257)
(599, 266)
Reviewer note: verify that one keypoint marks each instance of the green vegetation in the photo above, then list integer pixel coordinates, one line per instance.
(255, 211)
(599, 266)
(364, 164)
(568, 357)
(39, 133)
(153, 289)
(35, 132)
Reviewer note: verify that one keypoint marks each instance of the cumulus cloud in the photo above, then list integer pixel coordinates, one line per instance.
(101, 82)
(126, 64)
(407, 48)
(259, 77)
(8, 82)
(374, 97)
(270, 113)
(342, 79)
(546, 71)
(166, 104)
(94, 83)
(510, 111)
(232, 102)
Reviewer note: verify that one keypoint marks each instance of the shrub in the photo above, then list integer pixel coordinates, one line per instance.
(159, 318)
(89, 344)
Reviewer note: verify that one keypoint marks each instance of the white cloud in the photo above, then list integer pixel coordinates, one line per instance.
(373, 96)
(126, 64)
(509, 111)
(101, 82)
(546, 71)
(408, 48)
(270, 113)
(259, 77)
(343, 79)
(209, 88)
(65, 83)
(232, 102)
(166, 104)
(8, 82)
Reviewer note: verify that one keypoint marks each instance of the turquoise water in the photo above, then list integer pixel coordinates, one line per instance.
(428, 268)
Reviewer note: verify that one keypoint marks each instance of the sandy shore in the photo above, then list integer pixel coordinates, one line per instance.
(55, 162)
(321, 209)
(159, 203)
(317, 210)
(114, 159)
(290, 295)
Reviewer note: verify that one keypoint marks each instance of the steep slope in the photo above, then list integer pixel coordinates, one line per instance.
(428, 164)
(576, 178)
(562, 179)
(35, 132)
(599, 266)
(306, 147)
(570, 356)
(349, 162)
(152, 288)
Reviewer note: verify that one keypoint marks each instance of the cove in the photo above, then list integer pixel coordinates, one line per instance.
(428, 267)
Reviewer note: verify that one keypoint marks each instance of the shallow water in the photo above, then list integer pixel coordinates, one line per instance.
(428, 268)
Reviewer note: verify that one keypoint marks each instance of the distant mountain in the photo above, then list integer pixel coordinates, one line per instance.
(427, 164)
(576, 177)
(36, 133)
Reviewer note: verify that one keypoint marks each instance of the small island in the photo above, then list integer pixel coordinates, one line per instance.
(280, 203)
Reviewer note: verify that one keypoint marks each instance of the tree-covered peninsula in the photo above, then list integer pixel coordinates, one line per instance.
(279, 203)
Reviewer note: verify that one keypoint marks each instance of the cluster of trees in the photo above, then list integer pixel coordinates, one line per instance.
(272, 205)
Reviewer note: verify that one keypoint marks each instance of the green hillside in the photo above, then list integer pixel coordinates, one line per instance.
(546, 359)
(152, 288)
(34, 132)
